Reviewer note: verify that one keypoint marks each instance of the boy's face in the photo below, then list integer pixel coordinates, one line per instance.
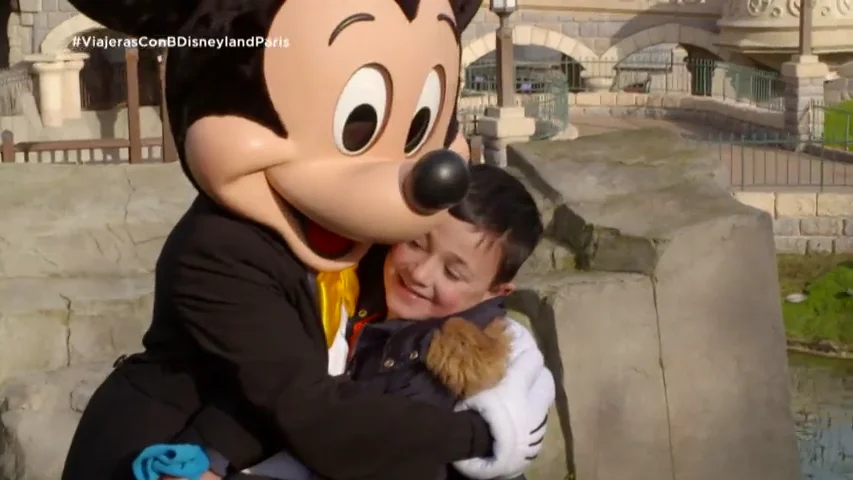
(447, 271)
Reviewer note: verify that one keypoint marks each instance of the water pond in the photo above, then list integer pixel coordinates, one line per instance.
(823, 411)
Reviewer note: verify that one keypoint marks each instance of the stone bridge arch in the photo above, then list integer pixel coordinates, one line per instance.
(58, 39)
(532, 35)
(666, 33)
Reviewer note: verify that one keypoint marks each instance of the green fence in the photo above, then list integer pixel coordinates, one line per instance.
(834, 123)
(663, 74)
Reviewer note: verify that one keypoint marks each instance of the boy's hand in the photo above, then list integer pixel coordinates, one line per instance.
(205, 476)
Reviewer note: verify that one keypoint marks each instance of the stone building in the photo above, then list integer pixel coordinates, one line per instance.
(594, 33)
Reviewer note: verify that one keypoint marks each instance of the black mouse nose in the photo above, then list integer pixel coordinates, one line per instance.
(438, 181)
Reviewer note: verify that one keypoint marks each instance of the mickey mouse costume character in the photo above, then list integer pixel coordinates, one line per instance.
(304, 157)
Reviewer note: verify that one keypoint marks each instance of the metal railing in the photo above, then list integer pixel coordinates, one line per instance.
(700, 76)
(780, 162)
(543, 93)
(14, 83)
(543, 88)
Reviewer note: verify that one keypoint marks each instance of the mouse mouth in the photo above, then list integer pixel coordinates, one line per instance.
(324, 243)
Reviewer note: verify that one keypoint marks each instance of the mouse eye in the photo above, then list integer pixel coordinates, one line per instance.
(426, 111)
(361, 110)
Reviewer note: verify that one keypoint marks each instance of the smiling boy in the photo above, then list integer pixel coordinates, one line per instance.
(437, 333)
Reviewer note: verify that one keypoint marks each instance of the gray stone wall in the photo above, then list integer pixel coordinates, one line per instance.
(598, 31)
(31, 23)
(807, 222)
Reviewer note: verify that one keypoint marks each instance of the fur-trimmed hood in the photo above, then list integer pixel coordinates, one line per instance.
(468, 359)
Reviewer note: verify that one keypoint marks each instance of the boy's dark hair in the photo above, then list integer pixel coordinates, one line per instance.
(499, 203)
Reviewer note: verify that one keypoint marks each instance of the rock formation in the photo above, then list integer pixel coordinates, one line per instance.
(656, 300)
(654, 297)
(77, 252)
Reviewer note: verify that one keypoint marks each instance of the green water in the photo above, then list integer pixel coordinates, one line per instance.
(823, 411)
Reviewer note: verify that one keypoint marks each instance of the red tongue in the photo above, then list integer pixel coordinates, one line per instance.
(325, 242)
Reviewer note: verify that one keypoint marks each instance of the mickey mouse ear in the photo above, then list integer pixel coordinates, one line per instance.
(151, 18)
(464, 10)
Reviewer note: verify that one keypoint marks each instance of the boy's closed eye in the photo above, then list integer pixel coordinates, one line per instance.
(449, 273)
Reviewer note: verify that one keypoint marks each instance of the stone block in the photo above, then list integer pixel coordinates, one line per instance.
(521, 34)
(38, 419)
(848, 227)
(552, 39)
(571, 29)
(743, 309)
(716, 303)
(538, 36)
(835, 205)
(654, 101)
(821, 226)
(843, 245)
(33, 338)
(31, 454)
(786, 227)
(765, 201)
(533, 17)
(110, 324)
(571, 317)
(608, 29)
(49, 5)
(795, 245)
(796, 204)
(588, 30)
(47, 323)
(29, 6)
(601, 44)
(55, 18)
(116, 229)
(506, 128)
(35, 36)
(609, 98)
(588, 99)
(820, 245)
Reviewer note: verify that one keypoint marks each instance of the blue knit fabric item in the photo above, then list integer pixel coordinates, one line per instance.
(182, 461)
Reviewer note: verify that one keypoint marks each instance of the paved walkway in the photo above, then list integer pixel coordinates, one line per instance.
(752, 166)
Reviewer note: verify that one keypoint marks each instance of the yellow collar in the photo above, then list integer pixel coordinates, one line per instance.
(336, 292)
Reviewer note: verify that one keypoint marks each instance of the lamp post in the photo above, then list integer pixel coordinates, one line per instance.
(506, 123)
(504, 51)
(806, 12)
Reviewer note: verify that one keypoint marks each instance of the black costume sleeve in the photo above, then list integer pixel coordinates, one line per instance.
(235, 308)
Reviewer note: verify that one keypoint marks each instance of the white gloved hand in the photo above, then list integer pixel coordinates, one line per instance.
(516, 410)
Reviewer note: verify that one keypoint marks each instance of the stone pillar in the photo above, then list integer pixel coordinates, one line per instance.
(71, 97)
(49, 71)
(500, 127)
(804, 77)
(723, 83)
(679, 79)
